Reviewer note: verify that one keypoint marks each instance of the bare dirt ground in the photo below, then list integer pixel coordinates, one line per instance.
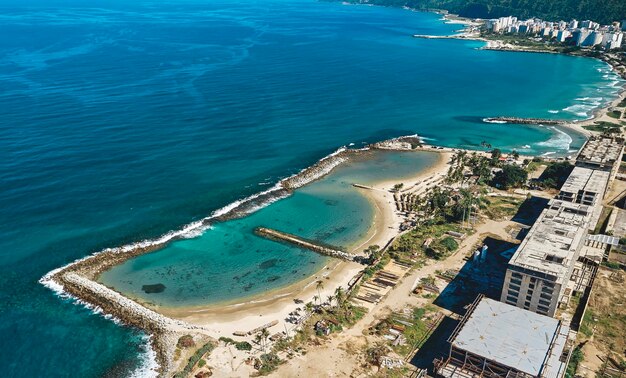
(605, 321)
(341, 355)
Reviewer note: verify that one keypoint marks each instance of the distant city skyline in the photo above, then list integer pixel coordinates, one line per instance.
(585, 33)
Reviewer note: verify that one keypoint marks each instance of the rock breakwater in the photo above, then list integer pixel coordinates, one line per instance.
(78, 279)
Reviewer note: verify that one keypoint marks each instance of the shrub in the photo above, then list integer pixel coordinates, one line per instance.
(270, 362)
(244, 345)
(193, 360)
(227, 340)
(510, 176)
(449, 244)
(577, 357)
(397, 187)
(185, 342)
(611, 264)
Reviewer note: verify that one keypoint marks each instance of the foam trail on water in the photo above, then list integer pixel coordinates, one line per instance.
(241, 207)
(487, 120)
(559, 140)
(149, 365)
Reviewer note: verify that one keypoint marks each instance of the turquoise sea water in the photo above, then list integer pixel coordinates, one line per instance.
(229, 261)
(121, 121)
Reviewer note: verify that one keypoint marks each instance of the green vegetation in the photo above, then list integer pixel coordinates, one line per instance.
(586, 326)
(575, 360)
(448, 244)
(243, 345)
(411, 244)
(555, 174)
(510, 176)
(604, 127)
(615, 114)
(185, 341)
(603, 11)
(611, 264)
(398, 187)
(502, 207)
(269, 363)
(193, 360)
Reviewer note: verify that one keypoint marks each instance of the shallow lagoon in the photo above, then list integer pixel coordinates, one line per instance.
(125, 120)
(228, 262)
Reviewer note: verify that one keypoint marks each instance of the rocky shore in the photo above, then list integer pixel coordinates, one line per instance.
(78, 279)
(128, 313)
(524, 121)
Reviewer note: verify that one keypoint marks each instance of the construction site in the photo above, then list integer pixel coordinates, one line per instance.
(557, 308)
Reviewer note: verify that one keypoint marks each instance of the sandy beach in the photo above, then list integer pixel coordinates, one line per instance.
(387, 220)
(224, 319)
(600, 115)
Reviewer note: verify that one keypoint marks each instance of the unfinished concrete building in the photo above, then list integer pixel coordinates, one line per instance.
(601, 153)
(539, 272)
(497, 340)
(586, 186)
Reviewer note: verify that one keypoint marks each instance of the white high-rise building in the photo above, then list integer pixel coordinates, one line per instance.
(612, 40)
(562, 35)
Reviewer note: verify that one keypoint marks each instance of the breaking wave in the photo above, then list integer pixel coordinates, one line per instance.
(559, 140)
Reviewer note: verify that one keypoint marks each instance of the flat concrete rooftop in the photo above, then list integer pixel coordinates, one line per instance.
(514, 337)
(601, 151)
(587, 180)
(552, 243)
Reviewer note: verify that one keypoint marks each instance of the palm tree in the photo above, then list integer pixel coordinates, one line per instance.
(330, 299)
(316, 298)
(340, 295)
(261, 338)
(308, 307)
(319, 287)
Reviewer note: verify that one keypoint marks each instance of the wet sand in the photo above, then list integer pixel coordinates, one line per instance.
(225, 318)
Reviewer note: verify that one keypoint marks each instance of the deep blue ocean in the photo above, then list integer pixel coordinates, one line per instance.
(121, 121)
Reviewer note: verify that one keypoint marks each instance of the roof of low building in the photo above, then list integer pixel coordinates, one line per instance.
(514, 337)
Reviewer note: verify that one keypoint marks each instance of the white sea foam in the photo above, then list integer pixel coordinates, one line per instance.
(559, 140)
(553, 111)
(149, 365)
(487, 120)
(579, 110)
(197, 228)
(191, 230)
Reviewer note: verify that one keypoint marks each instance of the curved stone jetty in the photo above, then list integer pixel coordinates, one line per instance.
(78, 279)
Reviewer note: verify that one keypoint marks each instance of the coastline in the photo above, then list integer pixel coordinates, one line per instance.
(598, 115)
(387, 220)
(228, 318)
(77, 280)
